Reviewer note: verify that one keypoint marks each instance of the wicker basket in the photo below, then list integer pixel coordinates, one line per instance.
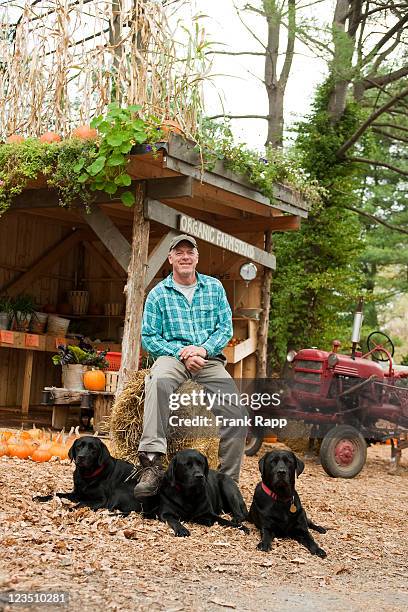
(79, 301)
(113, 309)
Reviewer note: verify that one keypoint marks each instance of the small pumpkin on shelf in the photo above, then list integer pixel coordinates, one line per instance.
(50, 137)
(15, 139)
(94, 380)
(84, 132)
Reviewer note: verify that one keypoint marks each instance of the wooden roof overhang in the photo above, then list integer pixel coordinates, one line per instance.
(174, 177)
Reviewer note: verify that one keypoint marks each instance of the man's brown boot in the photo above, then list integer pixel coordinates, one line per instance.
(151, 476)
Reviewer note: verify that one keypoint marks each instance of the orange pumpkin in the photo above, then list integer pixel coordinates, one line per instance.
(6, 435)
(36, 434)
(3, 448)
(171, 126)
(94, 380)
(42, 453)
(15, 138)
(84, 132)
(18, 448)
(25, 435)
(50, 137)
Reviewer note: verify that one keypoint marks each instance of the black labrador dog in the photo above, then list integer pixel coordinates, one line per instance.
(190, 491)
(276, 508)
(100, 481)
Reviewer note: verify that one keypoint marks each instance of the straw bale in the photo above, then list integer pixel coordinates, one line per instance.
(296, 436)
(126, 424)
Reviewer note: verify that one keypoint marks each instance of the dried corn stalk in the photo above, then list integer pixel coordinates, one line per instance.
(63, 61)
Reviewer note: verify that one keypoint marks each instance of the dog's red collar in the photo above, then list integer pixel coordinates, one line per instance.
(273, 495)
(95, 472)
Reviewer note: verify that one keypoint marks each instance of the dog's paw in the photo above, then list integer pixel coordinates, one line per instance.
(320, 553)
(42, 498)
(264, 547)
(181, 532)
(321, 529)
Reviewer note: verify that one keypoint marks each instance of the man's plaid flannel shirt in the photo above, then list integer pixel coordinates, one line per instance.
(171, 323)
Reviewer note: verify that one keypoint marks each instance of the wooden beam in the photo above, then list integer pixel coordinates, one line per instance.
(44, 263)
(110, 236)
(165, 215)
(283, 223)
(158, 256)
(94, 252)
(169, 187)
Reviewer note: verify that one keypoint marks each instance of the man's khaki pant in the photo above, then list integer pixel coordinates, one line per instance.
(165, 377)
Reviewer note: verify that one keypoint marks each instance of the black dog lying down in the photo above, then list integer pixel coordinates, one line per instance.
(100, 481)
(276, 508)
(192, 492)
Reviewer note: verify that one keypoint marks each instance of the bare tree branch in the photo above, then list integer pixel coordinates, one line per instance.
(353, 139)
(384, 79)
(396, 28)
(389, 135)
(395, 126)
(377, 219)
(383, 56)
(236, 53)
(375, 162)
(290, 45)
(248, 29)
(266, 117)
(253, 9)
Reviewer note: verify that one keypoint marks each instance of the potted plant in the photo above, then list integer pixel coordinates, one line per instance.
(23, 309)
(6, 309)
(75, 360)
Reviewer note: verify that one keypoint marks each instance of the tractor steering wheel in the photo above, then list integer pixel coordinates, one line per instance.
(382, 341)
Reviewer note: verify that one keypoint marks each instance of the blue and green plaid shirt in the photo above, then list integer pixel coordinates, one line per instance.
(171, 323)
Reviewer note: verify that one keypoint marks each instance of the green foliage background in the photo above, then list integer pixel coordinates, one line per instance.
(318, 278)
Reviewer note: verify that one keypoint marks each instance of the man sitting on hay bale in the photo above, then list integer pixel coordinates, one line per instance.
(187, 321)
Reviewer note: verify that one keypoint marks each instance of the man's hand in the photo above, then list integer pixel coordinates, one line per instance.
(194, 363)
(192, 351)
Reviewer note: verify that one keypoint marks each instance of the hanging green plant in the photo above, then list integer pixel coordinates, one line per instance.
(120, 130)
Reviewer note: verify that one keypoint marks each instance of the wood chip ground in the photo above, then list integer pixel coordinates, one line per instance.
(114, 563)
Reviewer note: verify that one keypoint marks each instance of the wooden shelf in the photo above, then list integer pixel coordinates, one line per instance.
(236, 353)
(88, 316)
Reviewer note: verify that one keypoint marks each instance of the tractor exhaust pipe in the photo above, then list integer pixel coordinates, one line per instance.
(358, 321)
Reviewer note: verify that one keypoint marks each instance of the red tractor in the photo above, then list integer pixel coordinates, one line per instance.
(351, 401)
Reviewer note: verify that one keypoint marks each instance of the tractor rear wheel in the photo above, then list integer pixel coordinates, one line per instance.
(343, 452)
(254, 441)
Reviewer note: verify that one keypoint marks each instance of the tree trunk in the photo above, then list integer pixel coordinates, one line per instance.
(134, 290)
(261, 353)
(342, 61)
(275, 120)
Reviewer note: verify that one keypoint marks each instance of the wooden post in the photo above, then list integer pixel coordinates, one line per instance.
(134, 291)
(261, 353)
(28, 372)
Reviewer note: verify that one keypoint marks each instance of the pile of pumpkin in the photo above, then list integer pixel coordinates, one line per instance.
(36, 444)
(82, 132)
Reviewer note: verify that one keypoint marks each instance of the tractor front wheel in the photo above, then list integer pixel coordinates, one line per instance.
(343, 452)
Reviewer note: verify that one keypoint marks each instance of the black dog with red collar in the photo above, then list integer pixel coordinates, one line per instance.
(190, 491)
(276, 508)
(101, 481)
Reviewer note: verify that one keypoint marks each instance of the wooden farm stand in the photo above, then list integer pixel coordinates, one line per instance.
(46, 250)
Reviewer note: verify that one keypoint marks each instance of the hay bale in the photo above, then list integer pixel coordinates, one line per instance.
(296, 436)
(126, 423)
